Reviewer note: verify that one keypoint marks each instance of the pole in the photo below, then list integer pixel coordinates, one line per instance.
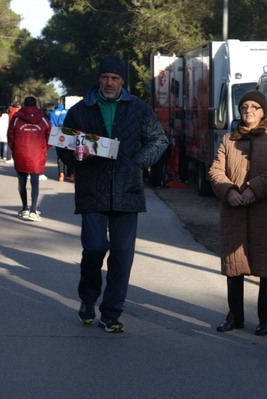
(128, 73)
(225, 20)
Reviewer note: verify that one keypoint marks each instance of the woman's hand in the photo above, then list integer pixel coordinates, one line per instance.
(234, 198)
(248, 196)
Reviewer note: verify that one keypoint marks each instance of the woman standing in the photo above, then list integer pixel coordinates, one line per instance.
(239, 179)
(28, 135)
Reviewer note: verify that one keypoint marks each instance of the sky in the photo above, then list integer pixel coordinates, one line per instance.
(35, 14)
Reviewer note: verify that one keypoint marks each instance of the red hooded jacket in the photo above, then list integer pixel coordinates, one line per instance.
(28, 135)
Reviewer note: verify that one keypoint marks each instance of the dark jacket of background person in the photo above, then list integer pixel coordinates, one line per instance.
(103, 184)
(28, 135)
(241, 161)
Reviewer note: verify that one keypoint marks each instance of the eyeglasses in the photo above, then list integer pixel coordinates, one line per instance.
(253, 108)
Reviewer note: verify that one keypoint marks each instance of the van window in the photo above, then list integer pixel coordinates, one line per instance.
(237, 93)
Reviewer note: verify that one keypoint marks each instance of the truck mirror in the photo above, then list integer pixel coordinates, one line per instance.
(213, 122)
(212, 118)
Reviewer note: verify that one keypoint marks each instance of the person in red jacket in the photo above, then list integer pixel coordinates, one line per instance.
(28, 135)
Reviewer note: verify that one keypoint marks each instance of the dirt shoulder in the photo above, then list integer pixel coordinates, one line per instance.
(199, 214)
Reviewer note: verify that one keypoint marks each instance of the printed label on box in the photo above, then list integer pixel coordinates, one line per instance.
(103, 147)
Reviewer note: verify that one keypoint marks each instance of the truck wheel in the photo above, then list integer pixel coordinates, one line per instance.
(204, 187)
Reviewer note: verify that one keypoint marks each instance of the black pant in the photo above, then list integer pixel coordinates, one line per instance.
(235, 287)
(120, 242)
(22, 177)
(61, 166)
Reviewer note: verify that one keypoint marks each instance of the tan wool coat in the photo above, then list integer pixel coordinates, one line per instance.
(243, 230)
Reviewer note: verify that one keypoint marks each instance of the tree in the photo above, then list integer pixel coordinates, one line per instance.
(15, 70)
(81, 32)
(76, 38)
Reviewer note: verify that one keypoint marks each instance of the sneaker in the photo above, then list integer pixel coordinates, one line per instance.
(24, 214)
(42, 177)
(9, 161)
(110, 325)
(35, 216)
(86, 314)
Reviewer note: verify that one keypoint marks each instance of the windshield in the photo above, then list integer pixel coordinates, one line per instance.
(263, 84)
(237, 93)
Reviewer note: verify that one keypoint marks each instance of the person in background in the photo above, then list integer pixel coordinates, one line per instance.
(109, 193)
(4, 122)
(28, 135)
(12, 109)
(56, 118)
(238, 177)
(158, 170)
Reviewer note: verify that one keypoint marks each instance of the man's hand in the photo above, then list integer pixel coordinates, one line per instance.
(86, 153)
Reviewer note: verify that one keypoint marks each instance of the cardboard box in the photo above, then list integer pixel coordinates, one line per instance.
(106, 147)
(71, 100)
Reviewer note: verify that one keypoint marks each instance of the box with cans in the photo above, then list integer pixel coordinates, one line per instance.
(97, 145)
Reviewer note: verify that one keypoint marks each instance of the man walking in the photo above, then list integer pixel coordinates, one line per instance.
(109, 193)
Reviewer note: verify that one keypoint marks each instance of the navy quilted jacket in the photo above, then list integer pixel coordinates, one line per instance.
(103, 184)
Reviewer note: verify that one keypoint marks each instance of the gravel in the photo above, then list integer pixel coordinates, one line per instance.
(199, 214)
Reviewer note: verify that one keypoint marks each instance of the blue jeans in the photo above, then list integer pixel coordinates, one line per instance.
(120, 242)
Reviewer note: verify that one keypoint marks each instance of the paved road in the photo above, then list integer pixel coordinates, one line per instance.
(170, 347)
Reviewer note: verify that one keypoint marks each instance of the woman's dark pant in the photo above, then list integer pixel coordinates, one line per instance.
(101, 232)
(22, 177)
(235, 287)
(4, 150)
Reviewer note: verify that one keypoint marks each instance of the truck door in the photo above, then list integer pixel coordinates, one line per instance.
(222, 118)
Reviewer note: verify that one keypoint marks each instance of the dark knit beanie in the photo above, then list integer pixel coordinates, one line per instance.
(112, 64)
(254, 95)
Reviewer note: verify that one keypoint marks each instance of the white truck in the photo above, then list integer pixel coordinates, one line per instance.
(216, 77)
(167, 76)
(262, 82)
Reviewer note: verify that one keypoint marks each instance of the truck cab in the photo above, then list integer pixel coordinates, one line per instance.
(262, 82)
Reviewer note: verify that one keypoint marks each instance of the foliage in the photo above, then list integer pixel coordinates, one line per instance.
(81, 32)
(16, 76)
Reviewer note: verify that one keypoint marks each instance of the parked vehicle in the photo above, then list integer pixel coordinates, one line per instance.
(262, 82)
(168, 103)
(215, 76)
